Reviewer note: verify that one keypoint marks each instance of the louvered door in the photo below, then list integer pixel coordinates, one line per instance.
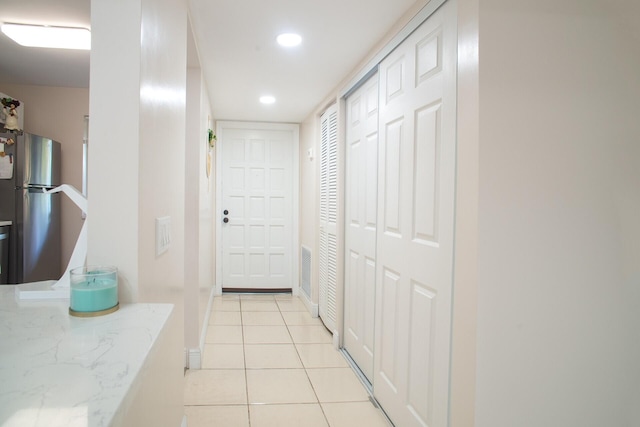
(328, 254)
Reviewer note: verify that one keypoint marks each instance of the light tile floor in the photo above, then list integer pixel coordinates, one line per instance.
(268, 363)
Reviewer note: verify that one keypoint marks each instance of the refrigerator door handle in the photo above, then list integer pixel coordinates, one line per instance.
(36, 188)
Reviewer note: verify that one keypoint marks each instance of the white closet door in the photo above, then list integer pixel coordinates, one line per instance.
(416, 224)
(328, 254)
(360, 226)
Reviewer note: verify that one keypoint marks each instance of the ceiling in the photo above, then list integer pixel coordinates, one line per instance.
(47, 67)
(238, 53)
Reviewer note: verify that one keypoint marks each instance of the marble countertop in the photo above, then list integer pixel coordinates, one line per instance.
(59, 370)
(5, 223)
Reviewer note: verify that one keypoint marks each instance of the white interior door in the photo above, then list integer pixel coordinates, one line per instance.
(361, 183)
(257, 223)
(328, 250)
(415, 224)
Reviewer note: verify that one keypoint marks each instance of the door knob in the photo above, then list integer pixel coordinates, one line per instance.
(226, 212)
(225, 220)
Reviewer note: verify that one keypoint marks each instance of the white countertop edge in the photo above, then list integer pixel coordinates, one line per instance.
(70, 368)
(134, 383)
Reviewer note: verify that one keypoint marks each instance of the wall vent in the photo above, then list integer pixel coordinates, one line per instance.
(305, 271)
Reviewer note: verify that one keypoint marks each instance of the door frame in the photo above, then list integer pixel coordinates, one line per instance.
(221, 126)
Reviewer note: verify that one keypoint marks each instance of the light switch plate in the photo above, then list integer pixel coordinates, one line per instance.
(163, 234)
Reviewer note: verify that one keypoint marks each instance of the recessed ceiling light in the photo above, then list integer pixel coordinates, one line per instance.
(267, 99)
(289, 39)
(50, 37)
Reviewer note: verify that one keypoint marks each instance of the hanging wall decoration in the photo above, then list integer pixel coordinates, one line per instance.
(10, 110)
(212, 138)
(211, 143)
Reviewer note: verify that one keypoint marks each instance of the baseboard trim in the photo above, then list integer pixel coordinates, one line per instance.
(195, 354)
(195, 358)
(312, 307)
(257, 290)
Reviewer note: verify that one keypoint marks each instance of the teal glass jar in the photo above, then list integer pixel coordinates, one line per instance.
(94, 291)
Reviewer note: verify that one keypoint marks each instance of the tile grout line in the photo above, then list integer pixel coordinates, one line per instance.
(244, 357)
(298, 354)
(306, 372)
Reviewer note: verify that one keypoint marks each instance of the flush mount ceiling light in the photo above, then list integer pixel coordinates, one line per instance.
(267, 99)
(50, 37)
(289, 39)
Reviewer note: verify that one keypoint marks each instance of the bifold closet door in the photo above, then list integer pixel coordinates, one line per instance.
(415, 224)
(328, 252)
(361, 186)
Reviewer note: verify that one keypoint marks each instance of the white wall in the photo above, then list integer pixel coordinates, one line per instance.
(192, 211)
(207, 204)
(58, 113)
(309, 209)
(137, 160)
(199, 208)
(115, 141)
(162, 147)
(558, 278)
(465, 286)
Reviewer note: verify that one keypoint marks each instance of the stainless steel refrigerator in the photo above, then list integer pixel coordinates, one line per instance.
(31, 165)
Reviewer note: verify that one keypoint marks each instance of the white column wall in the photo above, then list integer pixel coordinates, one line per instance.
(465, 274)
(207, 206)
(192, 210)
(114, 107)
(199, 203)
(199, 208)
(309, 206)
(137, 160)
(162, 146)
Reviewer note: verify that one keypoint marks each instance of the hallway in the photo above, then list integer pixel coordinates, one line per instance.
(266, 363)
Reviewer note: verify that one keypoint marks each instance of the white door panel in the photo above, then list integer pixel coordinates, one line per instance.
(257, 192)
(415, 224)
(360, 227)
(328, 251)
